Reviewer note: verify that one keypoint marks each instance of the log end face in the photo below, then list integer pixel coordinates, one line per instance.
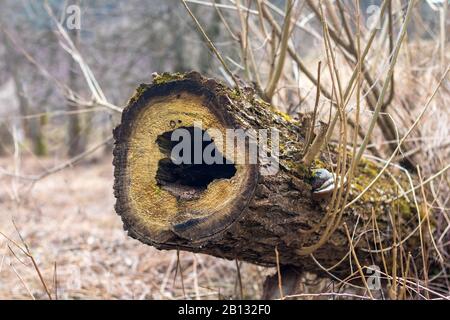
(163, 198)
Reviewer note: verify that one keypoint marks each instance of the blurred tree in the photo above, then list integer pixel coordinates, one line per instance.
(77, 141)
(31, 128)
(212, 29)
(6, 139)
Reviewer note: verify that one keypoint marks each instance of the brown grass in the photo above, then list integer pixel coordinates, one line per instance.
(68, 221)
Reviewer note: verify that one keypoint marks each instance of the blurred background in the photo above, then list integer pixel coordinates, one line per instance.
(68, 67)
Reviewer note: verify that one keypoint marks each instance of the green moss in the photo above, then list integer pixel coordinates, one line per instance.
(234, 94)
(368, 168)
(167, 77)
(358, 187)
(318, 164)
(284, 115)
(40, 148)
(262, 103)
(299, 167)
(157, 189)
(403, 207)
(303, 170)
(138, 92)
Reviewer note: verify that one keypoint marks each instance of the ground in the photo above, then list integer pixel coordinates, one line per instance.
(69, 224)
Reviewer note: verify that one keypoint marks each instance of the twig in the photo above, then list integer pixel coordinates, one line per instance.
(211, 45)
(91, 81)
(427, 216)
(55, 280)
(355, 257)
(36, 267)
(178, 267)
(316, 105)
(280, 282)
(285, 34)
(61, 166)
(386, 83)
(316, 145)
(402, 140)
(238, 271)
(22, 282)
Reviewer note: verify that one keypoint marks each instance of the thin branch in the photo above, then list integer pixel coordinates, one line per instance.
(402, 140)
(211, 45)
(68, 45)
(285, 34)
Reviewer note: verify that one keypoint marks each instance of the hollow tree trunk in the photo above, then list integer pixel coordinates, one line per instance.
(232, 210)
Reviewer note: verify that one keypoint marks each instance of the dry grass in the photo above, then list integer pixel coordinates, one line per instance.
(68, 221)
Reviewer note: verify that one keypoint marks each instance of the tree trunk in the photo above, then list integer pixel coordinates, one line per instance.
(7, 141)
(31, 128)
(242, 211)
(76, 136)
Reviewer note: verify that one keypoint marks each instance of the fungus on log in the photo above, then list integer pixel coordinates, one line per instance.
(230, 209)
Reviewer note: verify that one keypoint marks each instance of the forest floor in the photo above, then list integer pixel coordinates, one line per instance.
(68, 222)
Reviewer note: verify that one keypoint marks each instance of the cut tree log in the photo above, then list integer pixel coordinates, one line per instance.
(232, 210)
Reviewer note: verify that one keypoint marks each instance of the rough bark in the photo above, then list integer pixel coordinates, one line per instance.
(249, 216)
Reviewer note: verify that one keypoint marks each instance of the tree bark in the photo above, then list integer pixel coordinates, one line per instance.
(263, 219)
